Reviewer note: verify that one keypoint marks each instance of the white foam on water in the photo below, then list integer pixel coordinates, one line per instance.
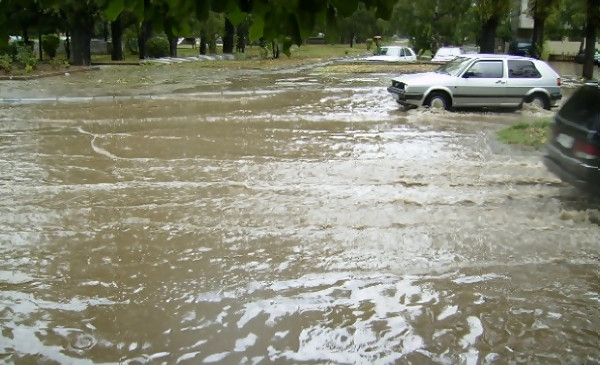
(216, 357)
(476, 330)
(188, 356)
(244, 343)
(478, 278)
(447, 312)
(158, 355)
(97, 149)
(382, 309)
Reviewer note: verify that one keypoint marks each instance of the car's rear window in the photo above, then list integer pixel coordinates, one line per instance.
(522, 69)
(583, 108)
(443, 52)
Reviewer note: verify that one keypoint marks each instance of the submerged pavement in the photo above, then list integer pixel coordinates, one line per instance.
(240, 216)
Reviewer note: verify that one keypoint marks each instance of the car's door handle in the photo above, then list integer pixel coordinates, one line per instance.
(500, 82)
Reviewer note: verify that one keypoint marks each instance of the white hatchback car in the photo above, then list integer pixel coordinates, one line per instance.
(481, 80)
(446, 54)
(394, 54)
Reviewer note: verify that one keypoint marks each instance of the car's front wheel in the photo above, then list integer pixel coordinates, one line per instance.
(539, 100)
(437, 100)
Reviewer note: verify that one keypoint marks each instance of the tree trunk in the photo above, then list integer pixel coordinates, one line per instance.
(173, 46)
(538, 31)
(488, 35)
(116, 31)
(68, 44)
(241, 40)
(203, 44)
(81, 35)
(537, 40)
(40, 46)
(229, 35)
(212, 46)
(590, 38)
(143, 36)
(80, 44)
(105, 31)
(275, 46)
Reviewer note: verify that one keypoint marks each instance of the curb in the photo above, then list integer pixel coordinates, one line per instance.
(47, 74)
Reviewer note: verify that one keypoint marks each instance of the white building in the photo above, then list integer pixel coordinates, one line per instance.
(521, 22)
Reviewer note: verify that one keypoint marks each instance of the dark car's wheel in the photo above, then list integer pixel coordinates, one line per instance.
(438, 100)
(539, 100)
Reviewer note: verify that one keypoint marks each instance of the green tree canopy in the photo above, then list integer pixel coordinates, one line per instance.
(288, 21)
(430, 24)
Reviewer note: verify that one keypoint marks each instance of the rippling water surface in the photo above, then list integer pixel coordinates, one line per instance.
(188, 216)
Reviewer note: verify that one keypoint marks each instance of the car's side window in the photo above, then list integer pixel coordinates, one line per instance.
(402, 52)
(486, 69)
(522, 69)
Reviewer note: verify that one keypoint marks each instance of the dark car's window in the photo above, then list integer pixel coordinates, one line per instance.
(486, 69)
(583, 108)
(522, 69)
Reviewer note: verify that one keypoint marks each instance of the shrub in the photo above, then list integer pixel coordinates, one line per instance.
(157, 47)
(130, 40)
(5, 63)
(25, 57)
(57, 63)
(50, 44)
(132, 46)
(11, 49)
(369, 43)
(265, 51)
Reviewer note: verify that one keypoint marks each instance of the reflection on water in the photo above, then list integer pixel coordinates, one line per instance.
(294, 217)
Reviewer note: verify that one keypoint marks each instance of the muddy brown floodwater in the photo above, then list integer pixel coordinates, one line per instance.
(182, 216)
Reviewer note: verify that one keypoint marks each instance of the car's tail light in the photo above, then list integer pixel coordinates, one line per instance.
(558, 81)
(585, 150)
(399, 85)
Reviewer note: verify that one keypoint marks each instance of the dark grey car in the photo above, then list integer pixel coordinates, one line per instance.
(573, 149)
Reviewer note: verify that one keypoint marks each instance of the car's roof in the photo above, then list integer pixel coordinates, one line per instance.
(497, 56)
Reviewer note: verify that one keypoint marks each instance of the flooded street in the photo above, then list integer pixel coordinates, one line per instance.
(194, 215)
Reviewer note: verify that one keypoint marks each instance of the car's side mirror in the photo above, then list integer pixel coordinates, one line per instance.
(469, 74)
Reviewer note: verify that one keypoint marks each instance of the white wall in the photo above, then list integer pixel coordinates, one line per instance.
(562, 47)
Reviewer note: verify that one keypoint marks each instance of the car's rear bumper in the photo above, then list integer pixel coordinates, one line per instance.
(404, 98)
(572, 171)
(555, 98)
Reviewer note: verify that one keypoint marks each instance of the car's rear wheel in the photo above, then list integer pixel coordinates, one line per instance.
(438, 100)
(539, 100)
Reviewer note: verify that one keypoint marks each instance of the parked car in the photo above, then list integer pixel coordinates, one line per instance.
(520, 48)
(394, 54)
(445, 54)
(580, 57)
(573, 149)
(481, 80)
